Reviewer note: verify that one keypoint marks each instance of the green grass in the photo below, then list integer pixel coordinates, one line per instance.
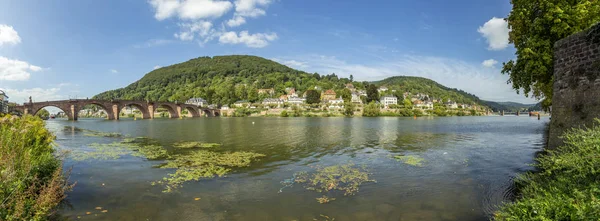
(567, 187)
(32, 183)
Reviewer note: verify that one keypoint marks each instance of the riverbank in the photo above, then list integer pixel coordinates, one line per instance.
(32, 183)
(566, 185)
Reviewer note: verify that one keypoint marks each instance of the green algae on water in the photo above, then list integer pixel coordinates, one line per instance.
(410, 160)
(194, 144)
(324, 199)
(100, 152)
(203, 164)
(91, 133)
(346, 178)
(138, 147)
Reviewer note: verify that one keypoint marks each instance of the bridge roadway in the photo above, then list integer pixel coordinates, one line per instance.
(113, 107)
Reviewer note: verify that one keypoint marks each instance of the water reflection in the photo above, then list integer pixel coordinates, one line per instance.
(467, 166)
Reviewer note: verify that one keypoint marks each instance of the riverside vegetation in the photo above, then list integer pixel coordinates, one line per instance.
(32, 183)
(567, 187)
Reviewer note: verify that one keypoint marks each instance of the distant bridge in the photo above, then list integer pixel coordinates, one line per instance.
(113, 107)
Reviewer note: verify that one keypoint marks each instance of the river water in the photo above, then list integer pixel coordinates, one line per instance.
(467, 168)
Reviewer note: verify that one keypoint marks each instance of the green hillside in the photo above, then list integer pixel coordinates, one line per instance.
(423, 85)
(512, 106)
(226, 79)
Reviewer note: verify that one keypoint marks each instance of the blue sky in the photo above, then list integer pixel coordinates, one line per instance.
(64, 49)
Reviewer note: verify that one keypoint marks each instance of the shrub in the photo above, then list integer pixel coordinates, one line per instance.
(31, 180)
(371, 110)
(567, 184)
(284, 114)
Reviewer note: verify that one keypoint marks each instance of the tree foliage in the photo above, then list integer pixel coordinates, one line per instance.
(372, 93)
(535, 26)
(371, 110)
(313, 97)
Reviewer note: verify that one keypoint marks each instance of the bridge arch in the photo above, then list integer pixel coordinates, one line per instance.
(107, 108)
(192, 110)
(142, 107)
(171, 108)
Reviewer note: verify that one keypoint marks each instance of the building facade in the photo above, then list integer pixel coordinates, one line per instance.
(386, 101)
(3, 102)
(197, 101)
(328, 95)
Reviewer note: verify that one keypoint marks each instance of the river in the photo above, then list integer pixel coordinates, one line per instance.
(467, 168)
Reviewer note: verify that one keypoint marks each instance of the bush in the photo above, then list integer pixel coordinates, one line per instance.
(567, 187)
(31, 180)
(284, 114)
(371, 110)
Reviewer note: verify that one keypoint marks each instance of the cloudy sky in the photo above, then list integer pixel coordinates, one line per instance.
(75, 49)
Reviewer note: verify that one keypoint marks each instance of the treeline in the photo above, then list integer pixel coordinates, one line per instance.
(227, 79)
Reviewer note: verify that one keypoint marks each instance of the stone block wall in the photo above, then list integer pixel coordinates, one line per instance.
(576, 98)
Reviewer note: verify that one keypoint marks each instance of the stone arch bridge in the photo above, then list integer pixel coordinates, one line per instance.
(113, 107)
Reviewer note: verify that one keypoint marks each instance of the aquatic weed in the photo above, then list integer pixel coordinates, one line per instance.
(410, 160)
(345, 178)
(194, 144)
(203, 164)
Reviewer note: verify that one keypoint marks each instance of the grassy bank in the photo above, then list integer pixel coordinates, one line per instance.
(31, 178)
(567, 185)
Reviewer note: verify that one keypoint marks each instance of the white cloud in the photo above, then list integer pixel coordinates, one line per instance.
(489, 63)
(114, 71)
(488, 84)
(197, 17)
(496, 32)
(190, 9)
(190, 30)
(247, 8)
(257, 40)
(156, 67)
(236, 21)
(37, 94)
(16, 70)
(8, 35)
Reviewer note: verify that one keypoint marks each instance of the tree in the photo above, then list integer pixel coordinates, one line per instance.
(346, 94)
(535, 25)
(371, 110)
(351, 78)
(407, 104)
(43, 113)
(372, 93)
(349, 109)
(313, 97)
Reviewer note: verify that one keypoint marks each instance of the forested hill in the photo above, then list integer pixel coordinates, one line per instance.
(226, 79)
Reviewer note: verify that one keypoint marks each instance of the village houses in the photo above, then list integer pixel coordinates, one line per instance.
(269, 91)
(356, 98)
(273, 101)
(242, 103)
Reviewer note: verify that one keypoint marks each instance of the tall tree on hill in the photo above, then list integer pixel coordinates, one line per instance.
(313, 97)
(535, 25)
(372, 93)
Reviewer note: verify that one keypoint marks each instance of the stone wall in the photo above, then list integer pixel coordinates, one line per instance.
(576, 98)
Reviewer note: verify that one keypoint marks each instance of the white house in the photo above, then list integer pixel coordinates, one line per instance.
(424, 105)
(382, 89)
(338, 101)
(388, 100)
(197, 101)
(296, 100)
(3, 102)
(356, 98)
(241, 104)
(451, 104)
(273, 101)
(225, 107)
